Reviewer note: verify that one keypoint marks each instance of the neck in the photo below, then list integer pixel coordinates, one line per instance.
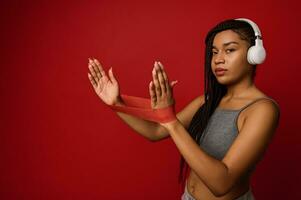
(240, 89)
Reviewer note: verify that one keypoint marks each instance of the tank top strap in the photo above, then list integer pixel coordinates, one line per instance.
(252, 102)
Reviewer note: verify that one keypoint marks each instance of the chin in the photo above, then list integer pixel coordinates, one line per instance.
(223, 80)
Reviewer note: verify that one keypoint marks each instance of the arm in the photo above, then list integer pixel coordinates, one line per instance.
(148, 129)
(154, 131)
(107, 88)
(246, 150)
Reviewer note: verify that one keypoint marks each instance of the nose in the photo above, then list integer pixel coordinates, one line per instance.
(219, 58)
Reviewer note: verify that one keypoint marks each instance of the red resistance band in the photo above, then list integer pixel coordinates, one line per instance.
(141, 107)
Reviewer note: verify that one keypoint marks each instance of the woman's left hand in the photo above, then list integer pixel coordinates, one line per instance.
(161, 91)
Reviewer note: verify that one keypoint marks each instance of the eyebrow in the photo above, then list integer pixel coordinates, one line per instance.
(226, 44)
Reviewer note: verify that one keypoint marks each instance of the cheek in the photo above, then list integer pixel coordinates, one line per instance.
(237, 66)
(238, 61)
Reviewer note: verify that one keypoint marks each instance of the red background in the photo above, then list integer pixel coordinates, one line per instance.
(59, 141)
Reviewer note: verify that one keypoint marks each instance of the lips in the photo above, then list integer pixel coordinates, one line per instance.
(220, 69)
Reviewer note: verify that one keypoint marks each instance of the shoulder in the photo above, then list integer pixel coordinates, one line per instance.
(266, 106)
(264, 112)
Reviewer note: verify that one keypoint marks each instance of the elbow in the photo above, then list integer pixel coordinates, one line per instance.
(153, 139)
(221, 188)
(221, 182)
(219, 192)
(159, 134)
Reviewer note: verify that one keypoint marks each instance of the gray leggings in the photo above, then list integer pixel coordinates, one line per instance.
(246, 196)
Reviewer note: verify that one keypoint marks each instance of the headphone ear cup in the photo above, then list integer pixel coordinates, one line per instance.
(256, 55)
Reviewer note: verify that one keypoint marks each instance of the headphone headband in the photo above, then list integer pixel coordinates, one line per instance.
(256, 54)
(254, 26)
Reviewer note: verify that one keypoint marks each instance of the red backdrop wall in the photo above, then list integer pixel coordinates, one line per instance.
(59, 141)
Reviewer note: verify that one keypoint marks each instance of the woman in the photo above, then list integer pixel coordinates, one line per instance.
(221, 134)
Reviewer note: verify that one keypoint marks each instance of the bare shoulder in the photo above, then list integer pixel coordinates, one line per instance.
(186, 114)
(268, 110)
(264, 106)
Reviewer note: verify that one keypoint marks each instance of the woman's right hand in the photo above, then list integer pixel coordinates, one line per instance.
(106, 88)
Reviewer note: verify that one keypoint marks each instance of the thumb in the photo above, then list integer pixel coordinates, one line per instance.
(111, 75)
(173, 83)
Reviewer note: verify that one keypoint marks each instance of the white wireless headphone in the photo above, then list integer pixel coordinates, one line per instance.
(256, 54)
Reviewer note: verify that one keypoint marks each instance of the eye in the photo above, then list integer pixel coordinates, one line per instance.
(214, 52)
(230, 50)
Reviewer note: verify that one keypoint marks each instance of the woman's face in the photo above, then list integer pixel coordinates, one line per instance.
(229, 52)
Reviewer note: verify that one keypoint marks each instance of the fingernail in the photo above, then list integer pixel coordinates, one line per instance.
(161, 65)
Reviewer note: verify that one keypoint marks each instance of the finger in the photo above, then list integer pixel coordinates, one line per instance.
(99, 67)
(161, 79)
(173, 83)
(167, 86)
(102, 77)
(92, 72)
(93, 82)
(94, 67)
(152, 93)
(111, 75)
(156, 83)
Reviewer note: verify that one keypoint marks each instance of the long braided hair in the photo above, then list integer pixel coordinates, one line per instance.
(213, 90)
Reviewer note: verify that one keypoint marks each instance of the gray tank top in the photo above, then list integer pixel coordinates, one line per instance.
(222, 130)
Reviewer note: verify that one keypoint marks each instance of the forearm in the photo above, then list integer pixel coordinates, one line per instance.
(148, 129)
(211, 171)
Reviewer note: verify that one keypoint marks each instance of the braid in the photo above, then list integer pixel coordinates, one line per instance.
(213, 90)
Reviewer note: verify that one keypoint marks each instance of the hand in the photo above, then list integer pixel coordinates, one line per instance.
(161, 91)
(105, 87)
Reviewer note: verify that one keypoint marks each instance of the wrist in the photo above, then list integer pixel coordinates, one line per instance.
(172, 125)
(118, 102)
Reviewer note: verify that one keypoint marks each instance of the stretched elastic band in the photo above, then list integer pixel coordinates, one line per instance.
(141, 107)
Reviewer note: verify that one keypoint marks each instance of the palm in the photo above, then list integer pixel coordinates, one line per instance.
(107, 91)
(106, 87)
